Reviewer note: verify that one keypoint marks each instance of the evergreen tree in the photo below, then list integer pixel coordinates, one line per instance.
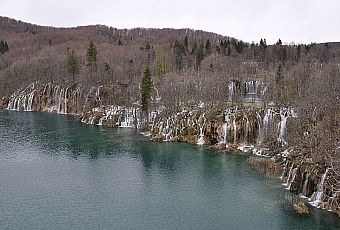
(279, 83)
(186, 42)
(91, 57)
(228, 50)
(208, 47)
(199, 56)
(279, 74)
(6, 47)
(146, 89)
(3, 47)
(284, 55)
(107, 67)
(72, 63)
(180, 52)
(120, 42)
(147, 46)
(263, 43)
(194, 48)
(298, 52)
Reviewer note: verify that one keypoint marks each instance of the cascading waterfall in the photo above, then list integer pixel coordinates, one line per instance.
(267, 122)
(246, 129)
(260, 135)
(158, 98)
(224, 133)
(235, 129)
(128, 119)
(201, 124)
(304, 187)
(284, 115)
(292, 178)
(289, 175)
(317, 196)
(231, 90)
(200, 140)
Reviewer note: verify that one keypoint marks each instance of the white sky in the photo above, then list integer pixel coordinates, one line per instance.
(301, 21)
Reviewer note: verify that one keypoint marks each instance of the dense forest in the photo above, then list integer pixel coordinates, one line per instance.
(186, 67)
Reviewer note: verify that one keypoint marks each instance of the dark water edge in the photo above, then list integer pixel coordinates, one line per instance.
(57, 173)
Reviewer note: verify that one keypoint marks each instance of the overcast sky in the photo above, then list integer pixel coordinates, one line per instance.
(301, 21)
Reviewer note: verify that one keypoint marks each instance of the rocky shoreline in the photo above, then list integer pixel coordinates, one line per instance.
(256, 130)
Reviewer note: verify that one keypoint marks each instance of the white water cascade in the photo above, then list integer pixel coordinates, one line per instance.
(304, 187)
(289, 175)
(246, 129)
(317, 196)
(231, 90)
(23, 100)
(292, 178)
(200, 140)
(235, 129)
(224, 133)
(128, 118)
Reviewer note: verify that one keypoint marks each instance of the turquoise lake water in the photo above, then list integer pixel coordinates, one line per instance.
(57, 173)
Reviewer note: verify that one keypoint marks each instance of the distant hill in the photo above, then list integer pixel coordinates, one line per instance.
(184, 56)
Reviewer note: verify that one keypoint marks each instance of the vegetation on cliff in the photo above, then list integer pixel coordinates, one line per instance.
(197, 75)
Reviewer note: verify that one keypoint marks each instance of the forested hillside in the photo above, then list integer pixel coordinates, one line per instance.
(190, 68)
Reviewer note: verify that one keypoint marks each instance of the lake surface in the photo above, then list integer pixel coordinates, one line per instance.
(57, 173)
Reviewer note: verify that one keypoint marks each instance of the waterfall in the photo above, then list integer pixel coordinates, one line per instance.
(251, 87)
(235, 130)
(224, 133)
(65, 101)
(317, 196)
(304, 187)
(158, 98)
(128, 119)
(246, 129)
(231, 90)
(30, 101)
(282, 125)
(98, 93)
(200, 141)
(260, 135)
(166, 131)
(293, 178)
(284, 170)
(289, 175)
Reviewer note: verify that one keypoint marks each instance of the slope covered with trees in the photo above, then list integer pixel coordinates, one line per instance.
(190, 68)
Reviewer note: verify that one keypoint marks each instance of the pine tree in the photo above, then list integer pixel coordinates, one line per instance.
(208, 47)
(146, 88)
(147, 46)
(186, 42)
(298, 52)
(199, 56)
(91, 57)
(6, 47)
(72, 63)
(279, 83)
(194, 48)
(2, 47)
(228, 50)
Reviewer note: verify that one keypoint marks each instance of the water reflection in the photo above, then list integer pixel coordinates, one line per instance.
(53, 166)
